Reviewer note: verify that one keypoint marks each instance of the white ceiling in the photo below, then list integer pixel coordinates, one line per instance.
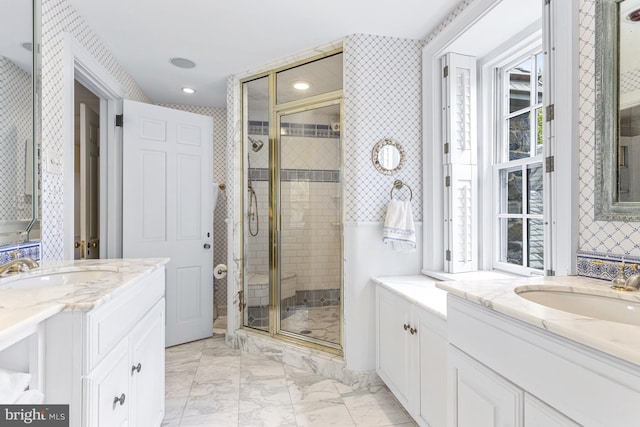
(225, 37)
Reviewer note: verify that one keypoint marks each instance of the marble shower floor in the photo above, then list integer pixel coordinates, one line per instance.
(211, 384)
(318, 322)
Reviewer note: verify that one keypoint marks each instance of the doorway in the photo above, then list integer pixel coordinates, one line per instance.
(86, 242)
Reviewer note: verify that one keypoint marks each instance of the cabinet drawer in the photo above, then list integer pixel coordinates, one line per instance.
(108, 382)
(107, 325)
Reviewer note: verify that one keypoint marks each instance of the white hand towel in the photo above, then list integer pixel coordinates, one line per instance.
(399, 229)
(30, 397)
(12, 385)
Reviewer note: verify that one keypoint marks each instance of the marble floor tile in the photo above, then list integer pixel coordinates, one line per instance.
(210, 384)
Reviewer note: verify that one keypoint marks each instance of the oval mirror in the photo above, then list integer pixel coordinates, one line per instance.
(388, 156)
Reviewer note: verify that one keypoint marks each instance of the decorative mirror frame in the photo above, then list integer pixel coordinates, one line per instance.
(376, 150)
(607, 206)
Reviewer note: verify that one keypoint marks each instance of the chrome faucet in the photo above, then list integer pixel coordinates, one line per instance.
(17, 265)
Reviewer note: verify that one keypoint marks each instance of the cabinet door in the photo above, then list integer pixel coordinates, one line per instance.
(433, 369)
(393, 342)
(538, 413)
(146, 352)
(106, 391)
(480, 397)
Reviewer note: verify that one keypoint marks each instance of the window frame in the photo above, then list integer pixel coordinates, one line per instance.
(499, 116)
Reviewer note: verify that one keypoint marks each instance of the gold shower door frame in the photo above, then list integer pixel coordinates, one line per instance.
(275, 227)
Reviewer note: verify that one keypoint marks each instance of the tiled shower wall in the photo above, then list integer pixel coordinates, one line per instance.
(311, 211)
(597, 239)
(58, 18)
(15, 134)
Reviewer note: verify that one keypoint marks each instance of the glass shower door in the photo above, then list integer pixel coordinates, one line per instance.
(310, 223)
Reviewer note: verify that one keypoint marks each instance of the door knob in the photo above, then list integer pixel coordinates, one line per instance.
(207, 246)
(93, 245)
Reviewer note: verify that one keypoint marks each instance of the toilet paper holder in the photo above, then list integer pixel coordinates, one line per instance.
(220, 271)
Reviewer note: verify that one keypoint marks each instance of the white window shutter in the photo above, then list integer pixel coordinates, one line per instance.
(459, 108)
(460, 156)
(461, 217)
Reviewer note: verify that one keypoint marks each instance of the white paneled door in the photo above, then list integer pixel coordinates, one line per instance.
(167, 176)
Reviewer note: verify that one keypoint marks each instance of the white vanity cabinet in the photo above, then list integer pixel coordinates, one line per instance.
(108, 363)
(480, 397)
(504, 372)
(411, 356)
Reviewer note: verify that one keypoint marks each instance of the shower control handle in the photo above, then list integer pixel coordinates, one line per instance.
(207, 246)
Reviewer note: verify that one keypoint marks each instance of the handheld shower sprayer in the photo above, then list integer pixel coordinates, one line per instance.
(256, 144)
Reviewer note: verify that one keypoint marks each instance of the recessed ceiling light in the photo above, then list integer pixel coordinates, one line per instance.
(301, 85)
(182, 62)
(188, 90)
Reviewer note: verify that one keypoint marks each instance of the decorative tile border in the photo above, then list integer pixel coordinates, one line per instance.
(294, 175)
(28, 249)
(258, 316)
(607, 271)
(294, 129)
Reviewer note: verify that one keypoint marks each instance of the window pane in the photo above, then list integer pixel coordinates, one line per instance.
(321, 76)
(534, 189)
(539, 135)
(536, 243)
(512, 248)
(511, 189)
(519, 136)
(520, 86)
(540, 68)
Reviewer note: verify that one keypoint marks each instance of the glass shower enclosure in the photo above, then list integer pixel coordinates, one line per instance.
(293, 203)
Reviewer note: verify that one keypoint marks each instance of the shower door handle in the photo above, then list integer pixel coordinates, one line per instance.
(207, 246)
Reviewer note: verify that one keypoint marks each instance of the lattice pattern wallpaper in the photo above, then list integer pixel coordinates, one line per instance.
(382, 99)
(58, 17)
(15, 134)
(614, 237)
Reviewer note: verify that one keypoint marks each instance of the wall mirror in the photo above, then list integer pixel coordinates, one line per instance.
(617, 110)
(388, 156)
(20, 124)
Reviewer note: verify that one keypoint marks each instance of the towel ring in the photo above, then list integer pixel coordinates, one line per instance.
(397, 184)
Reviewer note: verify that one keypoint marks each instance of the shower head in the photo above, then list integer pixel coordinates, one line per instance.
(256, 144)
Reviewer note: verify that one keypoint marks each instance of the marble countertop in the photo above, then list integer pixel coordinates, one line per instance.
(420, 290)
(22, 308)
(617, 339)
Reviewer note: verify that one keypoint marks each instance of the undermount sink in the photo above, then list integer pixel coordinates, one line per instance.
(57, 279)
(597, 306)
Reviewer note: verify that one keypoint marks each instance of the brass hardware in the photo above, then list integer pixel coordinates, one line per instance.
(413, 331)
(241, 303)
(136, 368)
(76, 245)
(15, 254)
(93, 245)
(406, 327)
(222, 186)
(17, 265)
(82, 251)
